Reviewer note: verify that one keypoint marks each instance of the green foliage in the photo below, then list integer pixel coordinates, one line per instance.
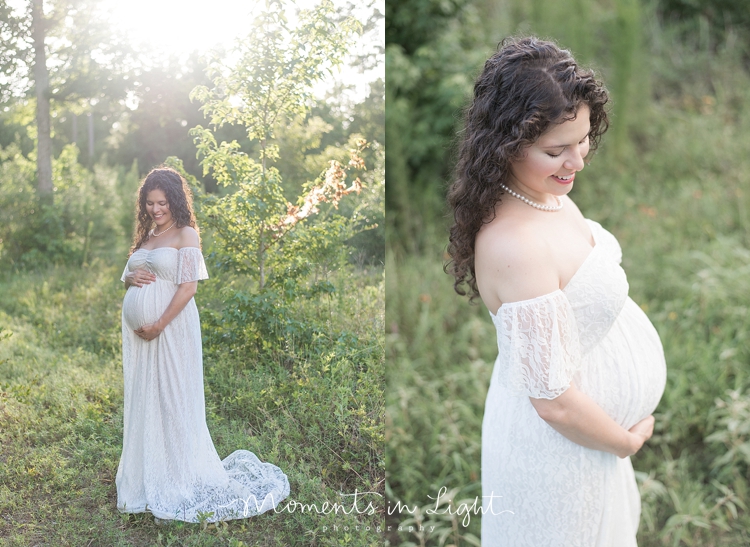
(17, 126)
(415, 23)
(307, 148)
(82, 218)
(84, 70)
(13, 28)
(270, 82)
(439, 357)
(732, 417)
(626, 32)
(697, 20)
(367, 245)
(345, 364)
(274, 75)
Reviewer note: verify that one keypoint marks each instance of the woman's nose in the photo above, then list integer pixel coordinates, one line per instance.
(575, 161)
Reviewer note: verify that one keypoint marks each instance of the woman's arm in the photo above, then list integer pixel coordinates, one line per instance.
(577, 417)
(184, 293)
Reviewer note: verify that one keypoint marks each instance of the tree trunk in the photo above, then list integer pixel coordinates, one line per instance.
(41, 82)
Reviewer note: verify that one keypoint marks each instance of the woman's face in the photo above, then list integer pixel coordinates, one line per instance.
(550, 164)
(157, 207)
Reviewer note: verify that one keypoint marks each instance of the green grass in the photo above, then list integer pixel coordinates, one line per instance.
(679, 207)
(318, 418)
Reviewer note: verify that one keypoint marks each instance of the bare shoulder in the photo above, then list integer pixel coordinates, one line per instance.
(576, 217)
(504, 241)
(513, 262)
(571, 205)
(189, 237)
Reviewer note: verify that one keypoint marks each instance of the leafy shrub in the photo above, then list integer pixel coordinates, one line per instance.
(82, 216)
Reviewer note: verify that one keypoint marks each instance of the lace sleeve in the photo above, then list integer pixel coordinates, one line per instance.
(539, 345)
(124, 273)
(190, 265)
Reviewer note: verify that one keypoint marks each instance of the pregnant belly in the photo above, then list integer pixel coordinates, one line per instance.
(626, 372)
(145, 305)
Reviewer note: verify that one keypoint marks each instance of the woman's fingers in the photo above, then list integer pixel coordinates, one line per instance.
(146, 335)
(645, 422)
(645, 427)
(142, 277)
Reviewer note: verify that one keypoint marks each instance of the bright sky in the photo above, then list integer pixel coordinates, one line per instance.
(182, 26)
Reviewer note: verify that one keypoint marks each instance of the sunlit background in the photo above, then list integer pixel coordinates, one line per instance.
(132, 102)
(179, 28)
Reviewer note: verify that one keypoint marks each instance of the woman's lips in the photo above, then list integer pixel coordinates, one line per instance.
(568, 180)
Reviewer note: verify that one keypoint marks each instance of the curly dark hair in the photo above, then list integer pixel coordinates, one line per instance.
(179, 197)
(527, 86)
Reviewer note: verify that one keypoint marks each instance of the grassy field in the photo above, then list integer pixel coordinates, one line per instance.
(61, 400)
(679, 203)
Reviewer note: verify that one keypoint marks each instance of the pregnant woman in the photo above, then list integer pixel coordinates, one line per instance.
(580, 367)
(169, 465)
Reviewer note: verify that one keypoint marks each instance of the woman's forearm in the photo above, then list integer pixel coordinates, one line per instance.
(184, 293)
(577, 417)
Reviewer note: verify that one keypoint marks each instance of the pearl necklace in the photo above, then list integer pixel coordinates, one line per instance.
(153, 232)
(539, 206)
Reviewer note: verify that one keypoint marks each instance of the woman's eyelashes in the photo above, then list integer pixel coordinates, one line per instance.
(551, 155)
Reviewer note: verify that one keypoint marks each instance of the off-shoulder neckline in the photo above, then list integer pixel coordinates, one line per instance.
(593, 226)
(166, 247)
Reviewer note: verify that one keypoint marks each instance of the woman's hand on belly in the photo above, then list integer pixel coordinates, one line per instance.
(577, 417)
(182, 296)
(139, 278)
(642, 431)
(149, 332)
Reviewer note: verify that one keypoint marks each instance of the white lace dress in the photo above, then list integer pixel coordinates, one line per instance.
(169, 465)
(538, 487)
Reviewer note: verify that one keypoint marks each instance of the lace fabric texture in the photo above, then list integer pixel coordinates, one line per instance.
(538, 487)
(169, 465)
(539, 340)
